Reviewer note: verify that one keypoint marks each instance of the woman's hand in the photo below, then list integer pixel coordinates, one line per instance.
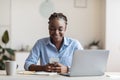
(55, 67)
(59, 68)
(48, 67)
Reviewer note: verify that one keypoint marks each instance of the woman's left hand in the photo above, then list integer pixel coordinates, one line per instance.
(59, 68)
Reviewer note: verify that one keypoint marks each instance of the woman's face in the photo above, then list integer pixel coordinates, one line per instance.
(57, 28)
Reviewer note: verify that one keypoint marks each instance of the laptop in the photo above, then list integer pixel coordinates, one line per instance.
(88, 63)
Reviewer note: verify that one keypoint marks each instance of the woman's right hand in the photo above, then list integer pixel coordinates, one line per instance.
(48, 67)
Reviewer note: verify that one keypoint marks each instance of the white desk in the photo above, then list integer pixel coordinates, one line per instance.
(3, 76)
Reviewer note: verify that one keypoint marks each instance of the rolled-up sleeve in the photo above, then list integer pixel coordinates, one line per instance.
(27, 64)
(33, 57)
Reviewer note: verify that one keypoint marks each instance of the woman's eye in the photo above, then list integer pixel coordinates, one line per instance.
(61, 29)
(52, 29)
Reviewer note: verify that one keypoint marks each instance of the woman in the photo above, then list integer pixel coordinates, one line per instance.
(57, 46)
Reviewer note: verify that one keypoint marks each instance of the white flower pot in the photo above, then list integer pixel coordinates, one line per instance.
(94, 47)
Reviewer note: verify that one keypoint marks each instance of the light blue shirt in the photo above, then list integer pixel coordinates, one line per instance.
(44, 50)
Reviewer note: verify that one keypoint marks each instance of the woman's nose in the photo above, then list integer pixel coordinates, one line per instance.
(57, 31)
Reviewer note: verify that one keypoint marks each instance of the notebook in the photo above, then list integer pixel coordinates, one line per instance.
(88, 63)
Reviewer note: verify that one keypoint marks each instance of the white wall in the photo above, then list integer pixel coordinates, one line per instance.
(113, 34)
(4, 12)
(84, 24)
(4, 18)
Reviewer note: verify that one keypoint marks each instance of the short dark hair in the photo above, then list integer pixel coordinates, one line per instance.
(59, 16)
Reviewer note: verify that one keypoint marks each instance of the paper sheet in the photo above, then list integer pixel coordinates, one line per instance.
(36, 73)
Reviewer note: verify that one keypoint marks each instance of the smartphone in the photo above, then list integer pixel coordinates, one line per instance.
(53, 59)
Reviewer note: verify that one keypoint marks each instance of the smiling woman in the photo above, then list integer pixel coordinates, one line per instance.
(56, 47)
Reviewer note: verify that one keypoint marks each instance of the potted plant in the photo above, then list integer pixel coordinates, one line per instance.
(5, 53)
(94, 45)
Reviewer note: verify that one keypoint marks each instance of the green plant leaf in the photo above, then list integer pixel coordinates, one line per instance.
(96, 43)
(1, 50)
(0, 47)
(10, 51)
(2, 65)
(5, 58)
(5, 37)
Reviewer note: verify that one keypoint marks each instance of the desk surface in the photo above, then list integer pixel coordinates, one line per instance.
(3, 76)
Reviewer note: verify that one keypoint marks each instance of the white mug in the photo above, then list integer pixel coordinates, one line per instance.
(10, 67)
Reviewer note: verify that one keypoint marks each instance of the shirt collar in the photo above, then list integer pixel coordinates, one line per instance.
(66, 42)
(48, 41)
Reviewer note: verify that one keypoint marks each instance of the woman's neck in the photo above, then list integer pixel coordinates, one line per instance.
(57, 44)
